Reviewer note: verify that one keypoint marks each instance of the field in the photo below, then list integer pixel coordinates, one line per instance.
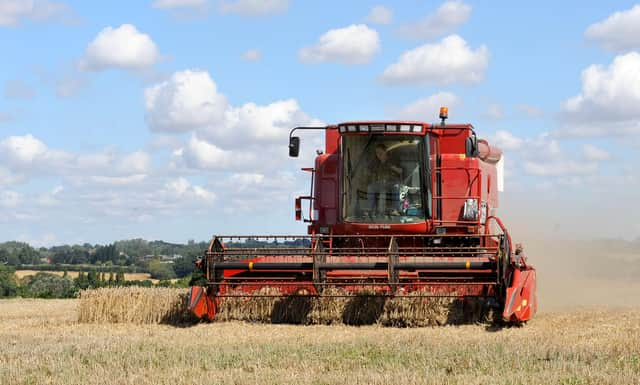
(42, 343)
(587, 332)
(74, 274)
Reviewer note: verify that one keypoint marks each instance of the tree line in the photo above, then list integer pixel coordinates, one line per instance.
(49, 285)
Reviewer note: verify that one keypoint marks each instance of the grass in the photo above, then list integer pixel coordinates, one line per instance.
(41, 342)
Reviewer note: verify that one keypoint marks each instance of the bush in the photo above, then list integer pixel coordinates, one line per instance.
(160, 270)
(45, 285)
(8, 285)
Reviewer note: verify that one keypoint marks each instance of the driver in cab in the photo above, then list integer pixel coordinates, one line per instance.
(383, 179)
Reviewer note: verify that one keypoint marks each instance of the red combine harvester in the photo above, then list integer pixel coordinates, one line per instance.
(396, 208)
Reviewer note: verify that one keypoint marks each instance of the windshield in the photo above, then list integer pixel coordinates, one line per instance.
(382, 178)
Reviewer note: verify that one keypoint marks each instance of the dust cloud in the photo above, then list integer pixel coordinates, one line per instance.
(585, 273)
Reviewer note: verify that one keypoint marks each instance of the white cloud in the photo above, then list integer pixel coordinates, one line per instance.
(543, 156)
(507, 141)
(252, 55)
(355, 44)
(263, 123)
(594, 153)
(450, 61)
(181, 188)
(123, 47)
(26, 156)
(12, 12)
(447, 18)
(17, 89)
(427, 109)
(190, 101)
(560, 168)
(169, 4)
(50, 198)
(254, 7)
(187, 101)
(494, 111)
(25, 152)
(618, 32)
(608, 103)
(203, 155)
(380, 15)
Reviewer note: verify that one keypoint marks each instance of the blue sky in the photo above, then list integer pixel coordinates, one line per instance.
(168, 119)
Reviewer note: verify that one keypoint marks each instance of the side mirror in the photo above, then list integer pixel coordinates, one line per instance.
(294, 146)
(471, 147)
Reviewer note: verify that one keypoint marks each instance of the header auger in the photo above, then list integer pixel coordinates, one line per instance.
(399, 213)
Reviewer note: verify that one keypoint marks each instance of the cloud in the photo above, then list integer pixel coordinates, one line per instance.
(560, 168)
(447, 18)
(380, 15)
(181, 188)
(494, 111)
(17, 89)
(593, 153)
(12, 12)
(27, 156)
(190, 101)
(543, 156)
(619, 32)
(187, 101)
(426, 109)
(448, 62)
(254, 7)
(50, 198)
(355, 44)
(252, 55)
(123, 47)
(266, 123)
(170, 4)
(608, 103)
(203, 155)
(507, 141)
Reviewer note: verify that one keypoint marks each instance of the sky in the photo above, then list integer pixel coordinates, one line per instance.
(169, 119)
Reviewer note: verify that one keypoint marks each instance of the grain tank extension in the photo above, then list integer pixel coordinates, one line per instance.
(397, 209)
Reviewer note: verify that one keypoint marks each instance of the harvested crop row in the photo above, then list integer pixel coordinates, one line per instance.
(162, 305)
(134, 305)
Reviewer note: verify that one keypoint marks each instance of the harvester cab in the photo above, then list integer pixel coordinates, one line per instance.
(397, 209)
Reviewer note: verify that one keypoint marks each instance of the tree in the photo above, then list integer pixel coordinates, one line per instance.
(184, 266)
(46, 285)
(82, 282)
(119, 278)
(8, 284)
(92, 278)
(160, 270)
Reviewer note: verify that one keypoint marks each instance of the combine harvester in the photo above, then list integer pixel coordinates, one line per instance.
(397, 210)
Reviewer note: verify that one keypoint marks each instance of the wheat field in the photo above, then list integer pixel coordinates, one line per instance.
(41, 342)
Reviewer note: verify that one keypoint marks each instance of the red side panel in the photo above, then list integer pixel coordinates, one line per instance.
(326, 189)
(521, 301)
(200, 304)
